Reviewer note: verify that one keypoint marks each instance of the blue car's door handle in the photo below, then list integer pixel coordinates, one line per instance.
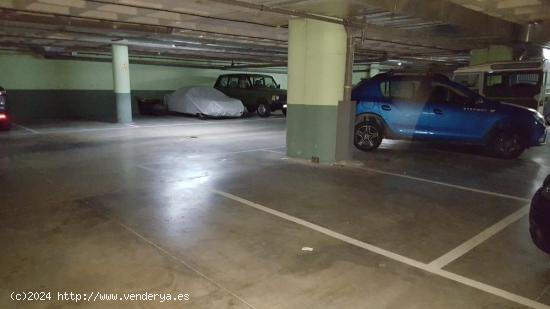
(386, 107)
(437, 111)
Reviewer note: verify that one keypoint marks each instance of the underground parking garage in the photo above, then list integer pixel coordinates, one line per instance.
(274, 154)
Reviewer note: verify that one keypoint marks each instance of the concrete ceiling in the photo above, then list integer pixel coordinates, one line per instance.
(254, 33)
(518, 11)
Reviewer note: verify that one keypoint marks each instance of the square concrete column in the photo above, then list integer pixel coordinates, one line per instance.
(316, 76)
(121, 79)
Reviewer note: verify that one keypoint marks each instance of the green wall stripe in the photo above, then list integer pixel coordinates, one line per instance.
(26, 72)
(311, 131)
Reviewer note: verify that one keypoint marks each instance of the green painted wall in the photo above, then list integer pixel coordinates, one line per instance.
(493, 53)
(28, 72)
(42, 88)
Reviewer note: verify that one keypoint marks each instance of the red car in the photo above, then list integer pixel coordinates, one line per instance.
(4, 119)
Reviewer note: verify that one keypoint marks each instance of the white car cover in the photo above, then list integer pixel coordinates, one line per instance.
(204, 100)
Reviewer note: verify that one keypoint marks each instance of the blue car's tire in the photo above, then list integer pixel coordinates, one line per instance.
(506, 144)
(539, 221)
(368, 135)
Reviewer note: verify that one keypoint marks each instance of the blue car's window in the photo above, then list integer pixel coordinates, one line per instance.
(400, 88)
(469, 80)
(444, 94)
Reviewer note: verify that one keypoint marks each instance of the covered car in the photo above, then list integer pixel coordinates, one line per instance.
(204, 102)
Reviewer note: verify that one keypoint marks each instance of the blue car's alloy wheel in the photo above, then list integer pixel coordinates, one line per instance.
(368, 136)
(507, 144)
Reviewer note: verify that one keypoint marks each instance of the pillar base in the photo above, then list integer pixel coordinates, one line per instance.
(312, 131)
(320, 131)
(124, 108)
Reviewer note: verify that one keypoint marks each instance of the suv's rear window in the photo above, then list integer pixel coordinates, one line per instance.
(223, 82)
(263, 82)
(513, 84)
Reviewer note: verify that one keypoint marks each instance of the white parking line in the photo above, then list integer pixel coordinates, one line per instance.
(473, 242)
(27, 129)
(512, 197)
(147, 167)
(138, 126)
(275, 151)
(394, 256)
(270, 149)
(186, 264)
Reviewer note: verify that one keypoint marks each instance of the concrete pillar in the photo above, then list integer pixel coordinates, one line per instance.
(316, 74)
(121, 79)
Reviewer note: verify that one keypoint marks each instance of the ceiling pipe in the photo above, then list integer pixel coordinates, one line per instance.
(348, 78)
(172, 30)
(148, 43)
(143, 7)
(257, 45)
(290, 13)
(307, 15)
(133, 61)
(257, 66)
(115, 24)
(155, 56)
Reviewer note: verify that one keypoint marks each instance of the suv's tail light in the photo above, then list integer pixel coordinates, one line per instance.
(3, 116)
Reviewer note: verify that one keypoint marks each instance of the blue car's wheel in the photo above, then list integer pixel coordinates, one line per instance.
(507, 144)
(539, 220)
(368, 135)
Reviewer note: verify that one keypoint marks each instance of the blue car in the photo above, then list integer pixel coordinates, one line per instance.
(539, 217)
(434, 108)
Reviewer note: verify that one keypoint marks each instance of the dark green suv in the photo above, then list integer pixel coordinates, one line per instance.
(259, 93)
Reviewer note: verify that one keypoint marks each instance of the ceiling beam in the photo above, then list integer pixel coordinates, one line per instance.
(242, 31)
(452, 14)
(402, 36)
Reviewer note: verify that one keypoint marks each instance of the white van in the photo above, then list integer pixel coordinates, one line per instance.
(525, 83)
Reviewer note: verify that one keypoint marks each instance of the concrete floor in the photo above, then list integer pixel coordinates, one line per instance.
(214, 209)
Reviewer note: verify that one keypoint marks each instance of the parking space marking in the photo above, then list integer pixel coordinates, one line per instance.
(512, 197)
(186, 264)
(394, 256)
(473, 242)
(26, 129)
(147, 167)
(275, 151)
(136, 126)
(270, 149)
